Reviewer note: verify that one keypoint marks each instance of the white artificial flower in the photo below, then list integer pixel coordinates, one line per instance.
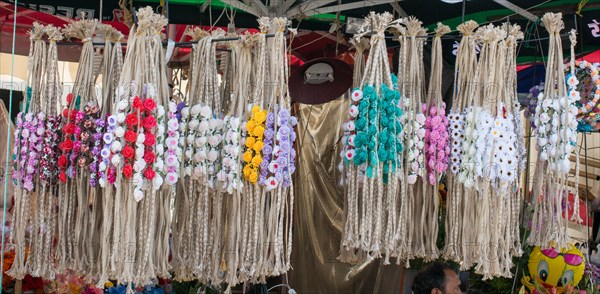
(173, 107)
(122, 105)
(139, 152)
(141, 138)
(159, 164)
(195, 110)
(120, 117)
(185, 112)
(116, 160)
(203, 126)
(119, 132)
(157, 182)
(212, 155)
(193, 124)
(138, 195)
(212, 123)
(206, 112)
(139, 165)
(235, 123)
(115, 146)
(160, 110)
(160, 149)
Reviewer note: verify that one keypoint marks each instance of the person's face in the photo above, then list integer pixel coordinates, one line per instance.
(451, 285)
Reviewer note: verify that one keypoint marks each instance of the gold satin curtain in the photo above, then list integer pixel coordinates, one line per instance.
(318, 215)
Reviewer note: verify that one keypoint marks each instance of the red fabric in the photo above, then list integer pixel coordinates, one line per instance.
(582, 209)
(592, 57)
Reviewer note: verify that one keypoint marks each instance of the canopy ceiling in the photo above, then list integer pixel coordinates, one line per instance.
(316, 19)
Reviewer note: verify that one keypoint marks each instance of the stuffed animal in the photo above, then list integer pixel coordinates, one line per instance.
(554, 269)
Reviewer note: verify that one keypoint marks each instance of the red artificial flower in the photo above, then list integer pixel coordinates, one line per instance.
(150, 139)
(149, 174)
(69, 128)
(130, 136)
(73, 114)
(66, 146)
(128, 152)
(131, 119)
(128, 171)
(149, 156)
(137, 102)
(65, 112)
(62, 161)
(149, 122)
(63, 177)
(149, 104)
(70, 98)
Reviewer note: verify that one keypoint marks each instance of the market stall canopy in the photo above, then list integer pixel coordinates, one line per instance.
(324, 25)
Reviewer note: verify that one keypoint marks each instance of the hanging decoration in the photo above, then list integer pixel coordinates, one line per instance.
(374, 130)
(556, 135)
(464, 73)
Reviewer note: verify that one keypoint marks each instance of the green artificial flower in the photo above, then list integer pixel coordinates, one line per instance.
(384, 122)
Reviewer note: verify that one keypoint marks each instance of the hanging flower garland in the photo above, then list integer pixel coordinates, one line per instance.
(586, 81)
(173, 155)
(228, 175)
(255, 128)
(282, 165)
(214, 140)
(269, 182)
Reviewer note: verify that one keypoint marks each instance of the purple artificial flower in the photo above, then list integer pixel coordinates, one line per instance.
(270, 118)
(283, 117)
(267, 149)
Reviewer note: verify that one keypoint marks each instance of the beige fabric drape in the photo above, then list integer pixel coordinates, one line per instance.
(4, 121)
(318, 215)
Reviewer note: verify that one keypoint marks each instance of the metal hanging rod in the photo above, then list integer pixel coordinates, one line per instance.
(177, 44)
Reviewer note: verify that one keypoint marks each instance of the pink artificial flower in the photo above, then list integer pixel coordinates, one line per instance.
(433, 110)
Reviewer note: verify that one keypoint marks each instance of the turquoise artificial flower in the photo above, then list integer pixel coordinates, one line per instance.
(361, 124)
(372, 131)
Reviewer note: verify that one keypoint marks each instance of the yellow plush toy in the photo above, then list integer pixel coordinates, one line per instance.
(549, 268)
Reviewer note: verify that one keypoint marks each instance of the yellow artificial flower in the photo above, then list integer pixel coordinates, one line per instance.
(258, 146)
(250, 142)
(250, 126)
(260, 117)
(248, 156)
(255, 109)
(257, 160)
(258, 131)
(246, 170)
(253, 177)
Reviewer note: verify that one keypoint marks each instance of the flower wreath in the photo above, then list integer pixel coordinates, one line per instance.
(457, 128)
(267, 150)
(390, 144)
(214, 139)
(437, 149)
(173, 155)
(255, 127)
(415, 148)
(282, 164)
(589, 89)
(466, 173)
(229, 173)
(50, 151)
(366, 130)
